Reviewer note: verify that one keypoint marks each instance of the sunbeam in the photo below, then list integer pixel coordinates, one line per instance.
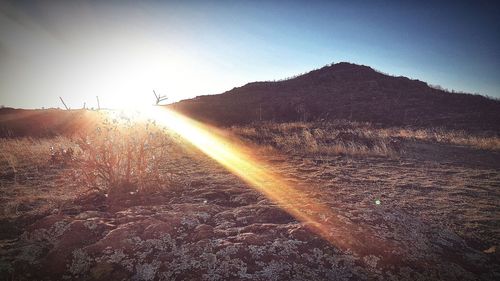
(242, 161)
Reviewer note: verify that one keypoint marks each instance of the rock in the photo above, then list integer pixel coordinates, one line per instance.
(272, 214)
(108, 271)
(158, 230)
(202, 231)
(249, 238)
(78, 234)
(92, 214)
(92, 201)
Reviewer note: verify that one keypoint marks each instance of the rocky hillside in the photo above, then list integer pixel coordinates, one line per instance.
(346, 91)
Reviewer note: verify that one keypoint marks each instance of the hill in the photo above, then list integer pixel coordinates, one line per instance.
(44, 122)
(346, 91)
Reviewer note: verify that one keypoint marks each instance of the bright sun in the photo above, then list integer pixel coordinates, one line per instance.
(125, 77)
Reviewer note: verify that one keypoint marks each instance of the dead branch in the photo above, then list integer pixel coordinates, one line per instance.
(159, 98)
(67, 108)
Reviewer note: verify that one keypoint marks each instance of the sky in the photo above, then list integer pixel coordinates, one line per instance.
(122, 50)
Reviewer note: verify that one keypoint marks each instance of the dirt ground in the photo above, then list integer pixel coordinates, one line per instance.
(437, 205)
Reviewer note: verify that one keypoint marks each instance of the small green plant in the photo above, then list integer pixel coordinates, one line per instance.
(122, 154)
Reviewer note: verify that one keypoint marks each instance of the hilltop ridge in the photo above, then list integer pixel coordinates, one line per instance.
(346, 91)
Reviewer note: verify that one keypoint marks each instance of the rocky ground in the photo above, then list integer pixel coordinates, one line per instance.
(438, 218)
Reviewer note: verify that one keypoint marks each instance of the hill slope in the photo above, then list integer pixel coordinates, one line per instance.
(45, 122)
(346, 91)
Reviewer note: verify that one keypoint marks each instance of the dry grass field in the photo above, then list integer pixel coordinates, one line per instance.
(130, 202)
(355, 138)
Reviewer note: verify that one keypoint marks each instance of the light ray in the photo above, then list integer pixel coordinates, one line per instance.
(241, 160)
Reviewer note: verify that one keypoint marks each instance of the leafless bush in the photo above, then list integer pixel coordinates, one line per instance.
(123, 155)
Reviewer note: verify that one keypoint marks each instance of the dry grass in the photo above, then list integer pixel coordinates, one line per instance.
(21, 156)
(309, 138)
(354, 138)
(28, 172)
(487, 142)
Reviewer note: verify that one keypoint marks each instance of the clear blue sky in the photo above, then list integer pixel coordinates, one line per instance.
(122, 50)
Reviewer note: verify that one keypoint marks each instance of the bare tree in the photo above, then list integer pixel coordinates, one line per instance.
(159, 98)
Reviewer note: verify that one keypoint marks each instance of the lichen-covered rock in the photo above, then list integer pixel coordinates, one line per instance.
(217, 228)
(202, 231)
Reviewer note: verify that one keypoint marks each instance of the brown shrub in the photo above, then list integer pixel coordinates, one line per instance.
(123, 153)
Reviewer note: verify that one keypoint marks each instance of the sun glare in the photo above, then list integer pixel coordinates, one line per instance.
(242, 161)
(125, 77)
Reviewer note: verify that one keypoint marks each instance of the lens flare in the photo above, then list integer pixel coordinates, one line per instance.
(242, 161)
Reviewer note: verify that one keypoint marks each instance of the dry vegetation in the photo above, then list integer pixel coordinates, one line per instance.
(123, 154)
(353, 138)
(21, 157)
(119, 156)
(127, 201)
(440, 135)
(310, 138)
(35, 176)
